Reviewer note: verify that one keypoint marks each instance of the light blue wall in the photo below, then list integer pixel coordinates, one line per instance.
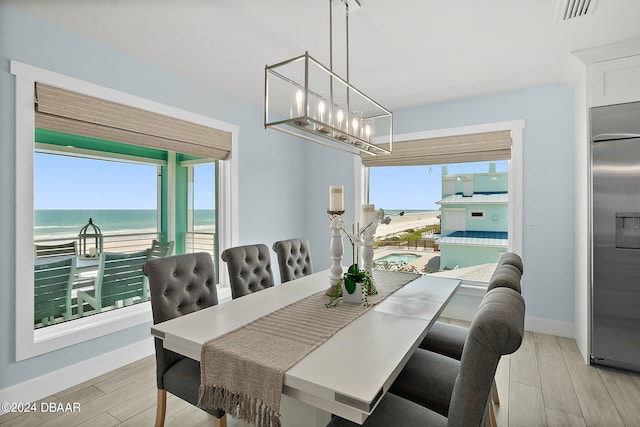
(325, 167)
(271, 166)
(548, 183)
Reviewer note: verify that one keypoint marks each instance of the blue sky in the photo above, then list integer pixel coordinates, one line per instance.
(416, 187)
(63, 182)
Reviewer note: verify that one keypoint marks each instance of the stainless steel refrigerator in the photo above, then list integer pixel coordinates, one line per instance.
(615, 222)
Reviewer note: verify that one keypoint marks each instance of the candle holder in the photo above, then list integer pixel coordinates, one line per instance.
(337, 249)
(368, 237)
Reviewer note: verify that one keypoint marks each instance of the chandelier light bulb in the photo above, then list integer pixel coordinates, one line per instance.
(340, 118)
(321, 110)
(299, 98)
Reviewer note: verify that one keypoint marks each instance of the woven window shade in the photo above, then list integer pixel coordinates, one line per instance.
(451, 149)
(65, 111)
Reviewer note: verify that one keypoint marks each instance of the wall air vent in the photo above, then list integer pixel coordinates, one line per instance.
(570, 9)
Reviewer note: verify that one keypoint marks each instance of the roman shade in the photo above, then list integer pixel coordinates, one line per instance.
(450, 149)
(71, 112)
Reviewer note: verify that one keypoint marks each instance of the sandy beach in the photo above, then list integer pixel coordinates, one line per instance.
(410, 220)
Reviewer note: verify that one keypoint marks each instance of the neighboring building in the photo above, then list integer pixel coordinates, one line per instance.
(473, 218)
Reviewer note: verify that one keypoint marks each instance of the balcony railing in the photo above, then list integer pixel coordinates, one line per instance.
(199, 242)
(123, 243)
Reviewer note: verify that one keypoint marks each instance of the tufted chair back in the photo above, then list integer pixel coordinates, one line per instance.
(506, 275)
(249, 269)
(179, 285)
(497, 329)
(512, 258)
(294, 258)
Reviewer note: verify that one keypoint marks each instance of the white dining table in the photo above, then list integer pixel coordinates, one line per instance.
(350, 372)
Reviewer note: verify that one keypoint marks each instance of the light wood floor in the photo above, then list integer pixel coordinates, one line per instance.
(545, 383)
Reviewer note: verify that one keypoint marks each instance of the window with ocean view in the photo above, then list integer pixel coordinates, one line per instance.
(450, 220)
(77, 273)
(99, 215)
(100, 144)
(101, 210)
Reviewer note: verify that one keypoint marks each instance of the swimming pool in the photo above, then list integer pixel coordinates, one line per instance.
(399, 258)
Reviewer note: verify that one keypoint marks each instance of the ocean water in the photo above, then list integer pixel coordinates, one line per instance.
(393, 212)
(55, 223)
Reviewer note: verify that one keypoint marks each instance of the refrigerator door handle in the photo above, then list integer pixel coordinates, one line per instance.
(613, 136)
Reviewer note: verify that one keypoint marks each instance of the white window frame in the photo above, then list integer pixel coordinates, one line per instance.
(30, 342)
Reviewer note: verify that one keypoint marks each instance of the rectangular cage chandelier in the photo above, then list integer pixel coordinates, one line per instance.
(308, 100)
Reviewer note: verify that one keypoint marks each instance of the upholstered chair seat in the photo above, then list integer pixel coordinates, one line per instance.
(180, 285)
(294, 259)
(448, 339)
(249, 269)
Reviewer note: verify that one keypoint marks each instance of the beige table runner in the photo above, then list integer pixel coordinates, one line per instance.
(242, 371)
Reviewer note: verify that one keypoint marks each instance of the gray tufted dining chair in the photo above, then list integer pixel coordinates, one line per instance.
(180, 285)
(448, 340)
(294, 258)
(249, 269)
(497, 329)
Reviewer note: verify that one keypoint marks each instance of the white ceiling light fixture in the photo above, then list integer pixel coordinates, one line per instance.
(306, 99)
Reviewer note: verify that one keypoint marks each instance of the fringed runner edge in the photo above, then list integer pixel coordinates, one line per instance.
(239, 406)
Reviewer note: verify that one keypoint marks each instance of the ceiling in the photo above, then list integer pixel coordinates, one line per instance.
(402, 52)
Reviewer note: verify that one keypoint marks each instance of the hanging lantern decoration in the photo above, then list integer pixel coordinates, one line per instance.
(90, 238)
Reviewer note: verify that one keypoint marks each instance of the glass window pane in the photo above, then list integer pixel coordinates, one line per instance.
(120, 199)
(446, 219)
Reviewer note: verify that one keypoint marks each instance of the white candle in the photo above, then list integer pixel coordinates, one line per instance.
(336, 198)
(321, 110)
(367, 215)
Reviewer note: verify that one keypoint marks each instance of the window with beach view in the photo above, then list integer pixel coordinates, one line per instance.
(436, 225)
(121, 199)
(124, 191)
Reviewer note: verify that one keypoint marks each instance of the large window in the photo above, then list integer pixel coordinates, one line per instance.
(455, 198)
(60, 101)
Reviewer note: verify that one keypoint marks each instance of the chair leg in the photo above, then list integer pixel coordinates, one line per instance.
(494, 393)
(220, 422)
(161, 409)
(492, 421)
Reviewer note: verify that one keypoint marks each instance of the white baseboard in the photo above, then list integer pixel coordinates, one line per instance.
(551, 327)
(468, 298)
(533, 324)
(53, 382)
